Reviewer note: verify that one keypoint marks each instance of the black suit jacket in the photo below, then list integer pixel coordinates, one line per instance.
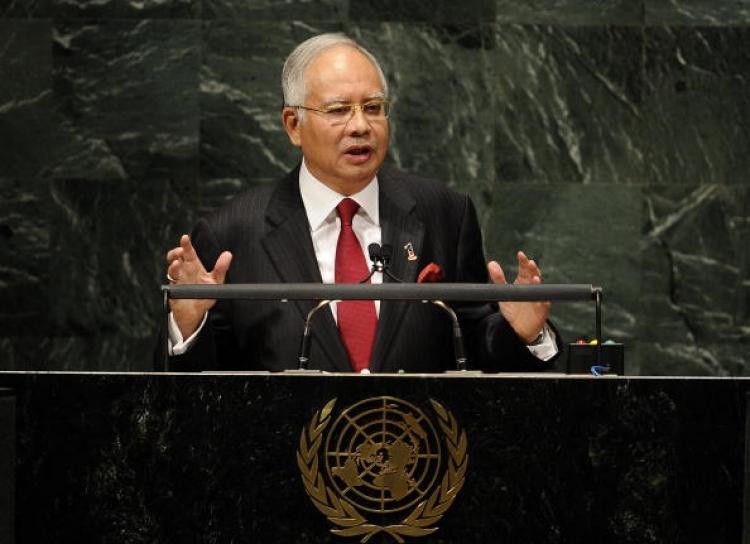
(267, 231)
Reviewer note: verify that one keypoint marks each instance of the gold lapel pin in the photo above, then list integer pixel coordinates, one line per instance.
(409, 249)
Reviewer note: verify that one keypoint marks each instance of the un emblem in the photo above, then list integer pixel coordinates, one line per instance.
(383, 465)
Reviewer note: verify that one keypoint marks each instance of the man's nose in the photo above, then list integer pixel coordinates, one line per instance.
(358, 123)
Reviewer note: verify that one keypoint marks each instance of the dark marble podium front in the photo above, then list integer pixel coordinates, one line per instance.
(212, 458)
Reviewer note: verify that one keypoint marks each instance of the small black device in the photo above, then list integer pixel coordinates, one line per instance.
(581, 359)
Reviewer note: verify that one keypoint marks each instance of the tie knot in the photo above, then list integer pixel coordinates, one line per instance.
(346, 210)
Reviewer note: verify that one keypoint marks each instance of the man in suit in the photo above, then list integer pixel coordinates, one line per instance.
(313, 226)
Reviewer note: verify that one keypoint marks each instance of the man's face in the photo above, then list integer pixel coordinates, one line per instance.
(345, 156)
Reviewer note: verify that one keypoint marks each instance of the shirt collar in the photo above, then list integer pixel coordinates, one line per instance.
(320, 201)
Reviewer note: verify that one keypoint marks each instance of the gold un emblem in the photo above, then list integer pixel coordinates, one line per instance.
(382, 465)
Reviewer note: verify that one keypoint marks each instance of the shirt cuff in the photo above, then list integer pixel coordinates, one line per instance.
(178, 345)
(546, 348)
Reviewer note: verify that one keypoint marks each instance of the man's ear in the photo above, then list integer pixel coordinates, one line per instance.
(290, 119)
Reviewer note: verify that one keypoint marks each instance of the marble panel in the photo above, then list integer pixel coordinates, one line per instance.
(697, 12)
(275, 10)
(441, 122)
(128, 91)
(696, 106)
(567, 104)
(108, 245)
(696, 278)
(41, 141)
(25, 206)
(242, 137)
(571, 12)
(128, 9)
(24, 9)
(430, 11)
(26, 120)
(577, 234)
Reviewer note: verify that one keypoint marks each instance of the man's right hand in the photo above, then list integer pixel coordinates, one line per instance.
(184, 267)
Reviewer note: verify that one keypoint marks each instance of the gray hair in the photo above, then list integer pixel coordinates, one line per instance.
(293, 73)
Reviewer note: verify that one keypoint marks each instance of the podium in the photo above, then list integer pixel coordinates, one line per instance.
(240, 458)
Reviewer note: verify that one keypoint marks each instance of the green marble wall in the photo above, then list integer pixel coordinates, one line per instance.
(608, 139)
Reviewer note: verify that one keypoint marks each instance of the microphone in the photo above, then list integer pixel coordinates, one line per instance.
(374, 251)
(381, 261)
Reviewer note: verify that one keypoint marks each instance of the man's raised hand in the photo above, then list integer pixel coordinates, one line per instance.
(184, 267)
(526, 318)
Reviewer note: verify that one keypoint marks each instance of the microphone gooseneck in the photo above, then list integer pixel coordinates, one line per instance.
(458, 339)
(304, 348)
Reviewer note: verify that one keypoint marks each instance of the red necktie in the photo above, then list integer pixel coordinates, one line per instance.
(356, 318)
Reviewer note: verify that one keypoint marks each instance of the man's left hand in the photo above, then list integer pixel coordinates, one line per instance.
(526, 318)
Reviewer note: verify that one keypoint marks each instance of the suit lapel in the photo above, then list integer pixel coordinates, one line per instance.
(289, 247)
(399, 228)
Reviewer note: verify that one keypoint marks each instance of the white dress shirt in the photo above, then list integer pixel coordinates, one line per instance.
(320, 203)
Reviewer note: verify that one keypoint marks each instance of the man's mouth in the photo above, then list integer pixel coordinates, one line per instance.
(358, 154)
(358, 150)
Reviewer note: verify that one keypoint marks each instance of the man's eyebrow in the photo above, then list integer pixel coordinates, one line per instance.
(345, 100)
(335, 100)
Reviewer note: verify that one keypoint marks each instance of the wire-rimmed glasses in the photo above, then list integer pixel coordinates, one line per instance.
(340, 113)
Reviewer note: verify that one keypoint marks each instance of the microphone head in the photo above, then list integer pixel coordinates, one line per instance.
(385, 252)
(374, 251)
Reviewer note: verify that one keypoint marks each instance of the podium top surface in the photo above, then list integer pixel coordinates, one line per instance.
(353, 376)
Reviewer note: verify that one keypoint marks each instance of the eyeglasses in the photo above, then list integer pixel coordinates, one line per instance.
(340, 113)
